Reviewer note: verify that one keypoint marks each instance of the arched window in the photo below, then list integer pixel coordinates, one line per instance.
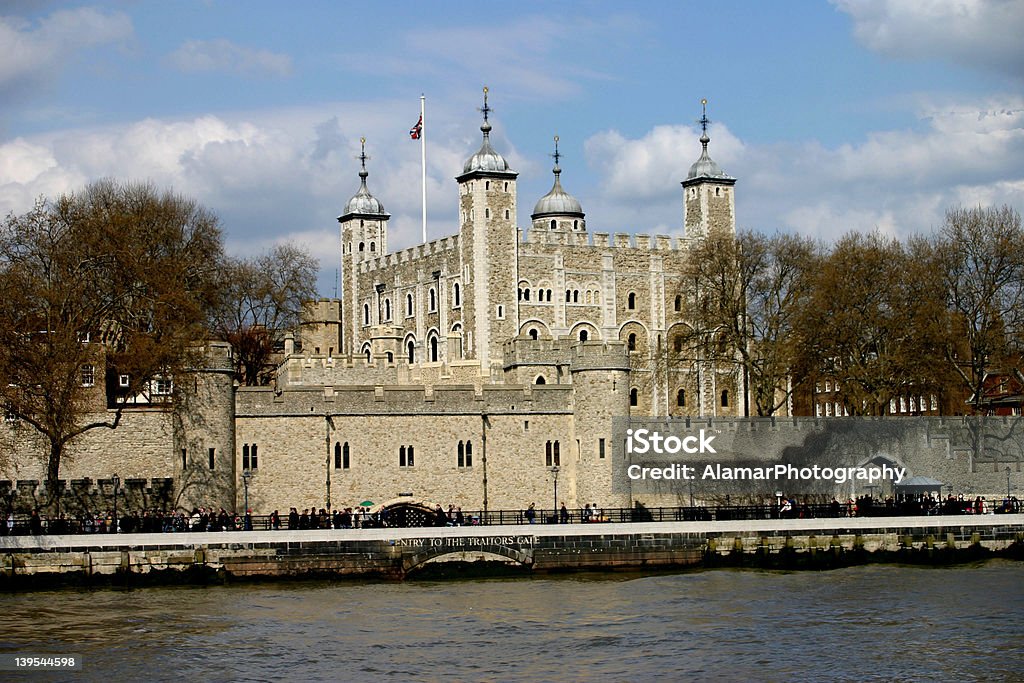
(461, 457)
(337, 455)
(487, 184)
(387, 309)
(633, 397)
(526, 294)
(411, 349)
(554, 224)
(725, 398)
(433, 300)
(549, 295)
(681, 398)
(361, 247)
(469, 454)
(433, 349)
(631, 341)
(487, 212)
(245, 457)
(679, 303)
(366, 314)
(373, 247)
(575, 296)
(584, 335)
(456, 295)
(507, 215)
(390, 357)
(576, 225)
(568, 296)
(677, 344)
(533, 333)
(345, 457)
(367, 355)
(540, 380)
(254, 461)
(506, 187)
(408, 304)
(631, 301)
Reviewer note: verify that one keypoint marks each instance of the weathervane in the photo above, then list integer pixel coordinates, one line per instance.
(557, 155)
(485, 109)
(362, 155)
(704, 139)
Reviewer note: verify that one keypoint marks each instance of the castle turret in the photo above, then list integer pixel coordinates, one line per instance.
(487, 203)
(708, 201)
(364, 235)
(558, 210)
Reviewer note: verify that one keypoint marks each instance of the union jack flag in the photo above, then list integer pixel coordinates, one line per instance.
(416, 131)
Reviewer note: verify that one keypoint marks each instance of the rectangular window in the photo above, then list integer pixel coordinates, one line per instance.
(212, 453)
(88, 375)
(254, 459)
(161, 386)
(600, 448)
(123, 381)
(184, 458)
(245, 457)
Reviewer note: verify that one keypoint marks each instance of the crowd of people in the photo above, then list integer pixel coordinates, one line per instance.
(214, 519)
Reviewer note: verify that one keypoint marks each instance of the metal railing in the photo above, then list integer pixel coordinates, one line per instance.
(177, 523)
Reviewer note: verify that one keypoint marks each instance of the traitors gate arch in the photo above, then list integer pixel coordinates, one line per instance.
(508, 550)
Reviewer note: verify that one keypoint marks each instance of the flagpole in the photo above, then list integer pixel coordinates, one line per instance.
(423, 162)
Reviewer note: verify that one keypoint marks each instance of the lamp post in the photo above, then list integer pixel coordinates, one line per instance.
(117, 485)
(246, 478)
(554, 471)
(1007, 482)
(327, 440)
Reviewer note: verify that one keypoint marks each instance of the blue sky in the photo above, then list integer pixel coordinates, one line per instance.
(839, 116)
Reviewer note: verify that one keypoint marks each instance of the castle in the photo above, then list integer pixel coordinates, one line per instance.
(482, 369)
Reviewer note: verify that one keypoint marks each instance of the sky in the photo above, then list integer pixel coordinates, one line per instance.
(833, 116)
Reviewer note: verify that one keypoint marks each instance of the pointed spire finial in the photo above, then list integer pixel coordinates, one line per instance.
(486, 127)
(557, 155)
(362, 158)
(704, 121)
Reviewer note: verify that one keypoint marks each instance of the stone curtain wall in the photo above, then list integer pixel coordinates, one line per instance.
(968, 455)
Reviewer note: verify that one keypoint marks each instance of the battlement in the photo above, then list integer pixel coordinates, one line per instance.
(601, 240)
(443, 245)
(315, 402)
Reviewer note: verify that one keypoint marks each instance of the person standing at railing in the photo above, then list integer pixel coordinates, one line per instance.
(563, 514)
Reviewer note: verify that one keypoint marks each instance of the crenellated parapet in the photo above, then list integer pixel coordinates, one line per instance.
(604, 241)
(598, 355)
(444, 246)
(309, 401)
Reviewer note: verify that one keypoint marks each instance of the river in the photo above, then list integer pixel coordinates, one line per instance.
(857, 624)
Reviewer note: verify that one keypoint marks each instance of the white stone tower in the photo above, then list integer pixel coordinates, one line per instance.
(708, 200)
(364, 236)
(487, 205)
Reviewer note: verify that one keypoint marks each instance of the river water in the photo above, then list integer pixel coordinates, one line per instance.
(857, 624)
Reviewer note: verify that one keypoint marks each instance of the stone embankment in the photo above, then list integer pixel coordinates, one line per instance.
(136, 559)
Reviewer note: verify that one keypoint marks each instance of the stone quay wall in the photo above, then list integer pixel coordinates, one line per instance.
(27, 562)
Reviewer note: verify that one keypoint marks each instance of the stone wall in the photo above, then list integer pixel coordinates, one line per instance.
(29, 562)
(968, 456)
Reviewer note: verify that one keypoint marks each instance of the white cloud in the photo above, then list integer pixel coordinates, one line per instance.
(34, 52)
(271, 176)
(225, 56)
(981, 34)
(899, 182)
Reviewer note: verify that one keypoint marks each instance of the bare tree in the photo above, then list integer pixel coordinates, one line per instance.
(114, 281)
(979, 256)
(264, 297)
(744, 294)
(867, 325)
